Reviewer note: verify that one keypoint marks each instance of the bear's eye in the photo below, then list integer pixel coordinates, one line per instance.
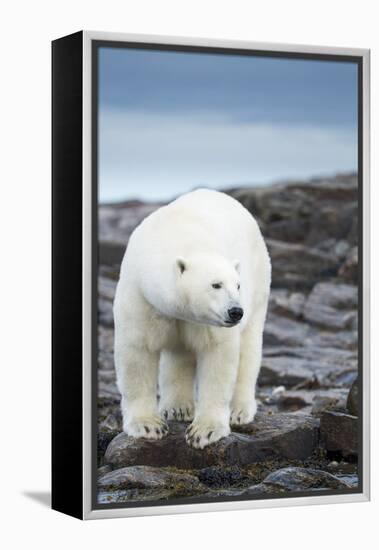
(217, 285)
(238, 286)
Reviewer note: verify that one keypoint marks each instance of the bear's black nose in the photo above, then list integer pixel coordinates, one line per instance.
(235, 314)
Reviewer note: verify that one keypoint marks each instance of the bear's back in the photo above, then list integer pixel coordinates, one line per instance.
(201, 218)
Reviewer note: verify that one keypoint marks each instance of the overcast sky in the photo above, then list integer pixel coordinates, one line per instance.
(172, 121)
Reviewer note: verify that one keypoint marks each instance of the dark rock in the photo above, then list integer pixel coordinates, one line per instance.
(331, 220)
(341, 248)
(298, 479)
(106, 288)
(231, 492)
(105, 312)
(105, 339)
(341, 188)
(353, 399)
(105, 360)
(327, 317)
(285, 435)
(306, 401)
(347, 471)
(293, 210)
(103, 440)
(351, 479)
(278, 371)
(338, 247)
(111, 423)
(343, 339)
(297, 372)
(103, 470)
(339, 432)
(289, 230)
(323, 355)
(147, 477)
(337, 295)
(107, 376)
(298, 267)
(280, 331)
(296, 218)
(349, 269)
(324, 403)
(293, 401)
(109, 272)
(111, 253)
(325, 302)
(143, 483)
(309, 366)
(290, 305)
(339, 378)
(107, 389)
(221, 477)
(116, 223)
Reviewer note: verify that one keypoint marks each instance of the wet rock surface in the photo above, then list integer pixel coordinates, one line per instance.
(298, 479)
(305, 436)
(268, 437)
(143, 482)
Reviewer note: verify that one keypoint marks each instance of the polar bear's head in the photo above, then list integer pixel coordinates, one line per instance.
(208, 290)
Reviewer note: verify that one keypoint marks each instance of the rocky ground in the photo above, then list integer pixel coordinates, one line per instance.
(305, 436)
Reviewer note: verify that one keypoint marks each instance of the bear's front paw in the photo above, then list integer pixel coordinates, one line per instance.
(203, 432)
(148, 427)
(181, 411)
(243, 412)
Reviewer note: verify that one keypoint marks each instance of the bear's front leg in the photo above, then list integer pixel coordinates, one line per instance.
(244, 405)
(216, 375)
(137, 378)
(176, 385)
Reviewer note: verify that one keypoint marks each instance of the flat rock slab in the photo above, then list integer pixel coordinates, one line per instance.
(303, 401)
(343, 339)
(297, 479)
(299, 267)
(324, 355)
(349, 269)
(281, 331)
(287, 304)
(318, 401)
(269, 436)
(103, 470)
(339, 432)
(294, 371)
(284, 371)
(328, 317)
(147, 477)
(335, 295)
(147, 483)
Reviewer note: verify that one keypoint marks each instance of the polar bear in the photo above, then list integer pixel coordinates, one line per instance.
(189, 313)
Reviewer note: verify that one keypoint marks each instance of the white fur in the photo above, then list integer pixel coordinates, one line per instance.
(171, 324)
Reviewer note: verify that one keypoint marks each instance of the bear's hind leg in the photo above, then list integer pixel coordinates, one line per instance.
(176, 385)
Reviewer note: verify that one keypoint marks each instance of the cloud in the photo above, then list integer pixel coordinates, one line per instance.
(158, 156)
(246, 87)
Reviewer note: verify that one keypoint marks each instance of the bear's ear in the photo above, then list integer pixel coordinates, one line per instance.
(236, 264)
(181, 264)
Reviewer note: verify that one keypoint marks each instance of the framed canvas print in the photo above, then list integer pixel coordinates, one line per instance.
(210, 275)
